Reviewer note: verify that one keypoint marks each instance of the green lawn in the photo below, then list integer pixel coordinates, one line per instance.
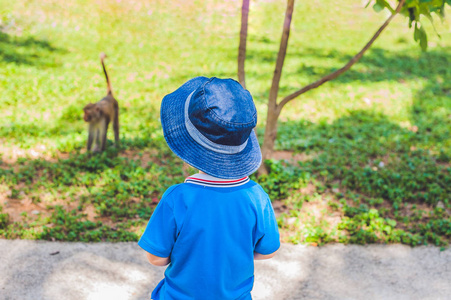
(372, 147)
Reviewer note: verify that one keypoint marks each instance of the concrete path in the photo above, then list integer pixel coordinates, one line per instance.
(58, 271)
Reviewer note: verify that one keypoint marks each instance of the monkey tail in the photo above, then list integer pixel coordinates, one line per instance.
(109, 90)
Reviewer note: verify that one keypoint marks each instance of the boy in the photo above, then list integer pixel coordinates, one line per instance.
(210, 228)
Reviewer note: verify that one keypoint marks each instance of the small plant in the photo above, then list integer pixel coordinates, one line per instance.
(68, 226)
(281, 179)
(4, 219)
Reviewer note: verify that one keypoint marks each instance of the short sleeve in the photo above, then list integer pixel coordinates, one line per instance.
(269, 242)
(160, 234)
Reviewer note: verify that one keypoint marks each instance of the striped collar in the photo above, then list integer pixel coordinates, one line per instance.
(208, 180)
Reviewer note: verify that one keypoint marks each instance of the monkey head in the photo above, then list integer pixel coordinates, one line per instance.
(92, 112)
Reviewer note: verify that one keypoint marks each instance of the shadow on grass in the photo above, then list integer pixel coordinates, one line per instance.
(27, 51)
(364, 161)
(379, 65)
(383, 65)
(431, 116)
(369, 154)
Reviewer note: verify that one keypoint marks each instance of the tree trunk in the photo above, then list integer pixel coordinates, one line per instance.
(270, 136)
(281, 55)
(243, 39)
(273, 109)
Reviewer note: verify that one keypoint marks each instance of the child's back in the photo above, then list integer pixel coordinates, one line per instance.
(212, 227)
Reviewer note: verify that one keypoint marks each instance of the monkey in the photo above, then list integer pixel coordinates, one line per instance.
(99, 115)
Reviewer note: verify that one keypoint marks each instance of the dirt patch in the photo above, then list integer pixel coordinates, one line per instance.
(90, 212)
(9, 154)
(34, 205)
(309, 189)
(18, 209)
(322, 212)
(146, 157)
(293, 157)
(280, 207)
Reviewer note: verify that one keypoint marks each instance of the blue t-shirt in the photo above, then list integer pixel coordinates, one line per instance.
(210, 228)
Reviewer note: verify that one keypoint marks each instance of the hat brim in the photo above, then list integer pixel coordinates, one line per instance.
(227, 166)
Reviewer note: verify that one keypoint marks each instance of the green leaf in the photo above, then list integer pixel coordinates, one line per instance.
(384, 3)
(423, 39)
(416, 33)
(421, 36)
(417, 13)
(411, 3)
(377, 7)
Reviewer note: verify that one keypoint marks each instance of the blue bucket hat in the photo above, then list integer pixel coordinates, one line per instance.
(208, 123)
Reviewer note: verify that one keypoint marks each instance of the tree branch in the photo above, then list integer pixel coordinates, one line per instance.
(272, 101)
(243, 38)
(346, 67)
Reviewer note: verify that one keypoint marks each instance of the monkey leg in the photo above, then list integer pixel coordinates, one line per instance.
(90, 137)
(96, 140)
(103, 134)
(116, 128)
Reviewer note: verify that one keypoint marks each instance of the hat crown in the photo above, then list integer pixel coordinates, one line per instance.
(223, 111)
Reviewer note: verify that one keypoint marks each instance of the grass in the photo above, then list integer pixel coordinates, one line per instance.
(371, 149)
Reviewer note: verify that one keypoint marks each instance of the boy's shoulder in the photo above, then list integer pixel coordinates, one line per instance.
(171, 189)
